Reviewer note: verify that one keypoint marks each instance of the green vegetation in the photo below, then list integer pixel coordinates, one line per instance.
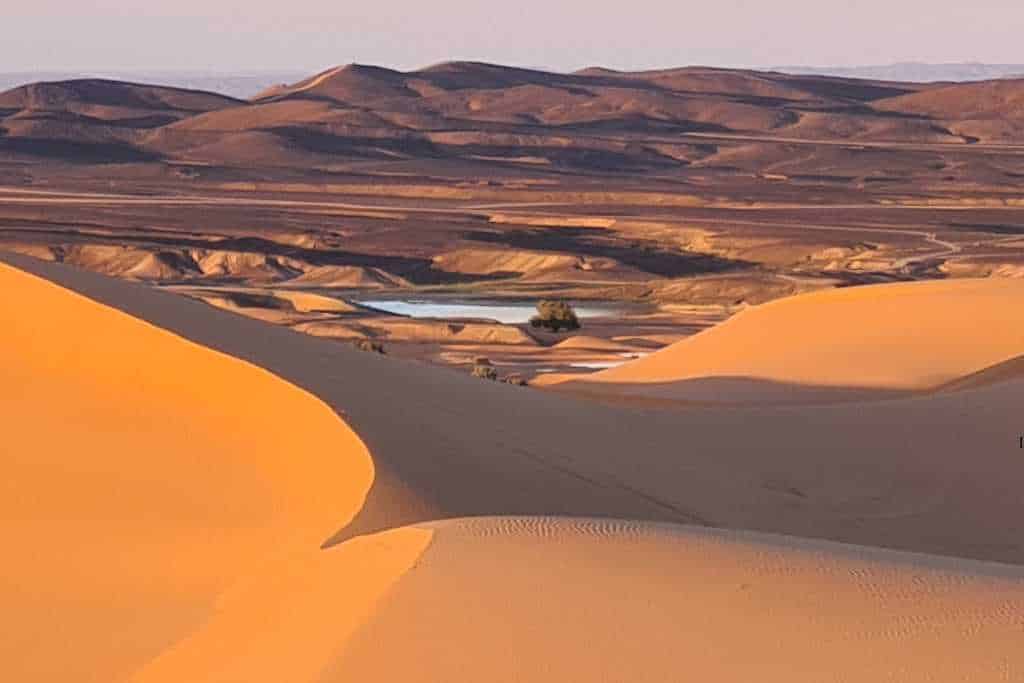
(555, 316)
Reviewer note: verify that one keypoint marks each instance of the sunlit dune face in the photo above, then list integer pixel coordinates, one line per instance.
(144, 476)
(293, 617)
(164, 509)
(555, 599)
(907, 336)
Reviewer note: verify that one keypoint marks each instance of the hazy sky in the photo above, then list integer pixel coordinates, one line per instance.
(40, 35)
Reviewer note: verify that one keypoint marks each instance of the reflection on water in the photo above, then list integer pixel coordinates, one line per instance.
(598, 365)
(502, 312)
(607, 364)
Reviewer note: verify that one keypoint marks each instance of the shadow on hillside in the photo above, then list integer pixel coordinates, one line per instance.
(419, 271)
(647, 256)
(75, 152)
(736, 391)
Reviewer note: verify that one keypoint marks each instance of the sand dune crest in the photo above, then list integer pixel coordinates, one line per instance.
(893, 337)
(144, 476)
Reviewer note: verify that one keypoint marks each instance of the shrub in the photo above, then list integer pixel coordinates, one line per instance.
(514, 379)
(555, 316)
(485, 372)
(369, 345)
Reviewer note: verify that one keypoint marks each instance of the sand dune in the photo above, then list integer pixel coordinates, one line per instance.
(556, 599)
(890, 338)
(935, 473)
(314, 303)
(181, 507)
(1012, 369)
(145, 479)
(290, 621)
(587, 343)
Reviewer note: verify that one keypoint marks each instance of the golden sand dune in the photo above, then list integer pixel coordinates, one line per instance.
(146, 479)
(558, 599)
(937, 473)
(166, 506)
(587, 343)
(894, 337)
(305, 302)
(294, 618)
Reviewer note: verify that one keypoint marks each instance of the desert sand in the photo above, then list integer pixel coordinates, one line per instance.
(541, 599)
(887, 473)
(892, 338)
(147, 480)
(202, 514)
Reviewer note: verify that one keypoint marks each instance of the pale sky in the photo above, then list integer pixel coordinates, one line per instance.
(225, 35)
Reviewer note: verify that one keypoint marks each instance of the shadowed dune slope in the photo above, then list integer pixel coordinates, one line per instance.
(893, 337)
(602, 600)
(938, 474)
(1012, 369)
(169, 526)
(167, 531)
(147, 481)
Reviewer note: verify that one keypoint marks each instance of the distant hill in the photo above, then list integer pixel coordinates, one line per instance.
(474, 114)
(915, 72)
(242, 85)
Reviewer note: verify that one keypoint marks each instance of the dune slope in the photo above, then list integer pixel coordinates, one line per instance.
(170, 528)
(893, 337)
(556, 599)
(939, 473)
(146, 480)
